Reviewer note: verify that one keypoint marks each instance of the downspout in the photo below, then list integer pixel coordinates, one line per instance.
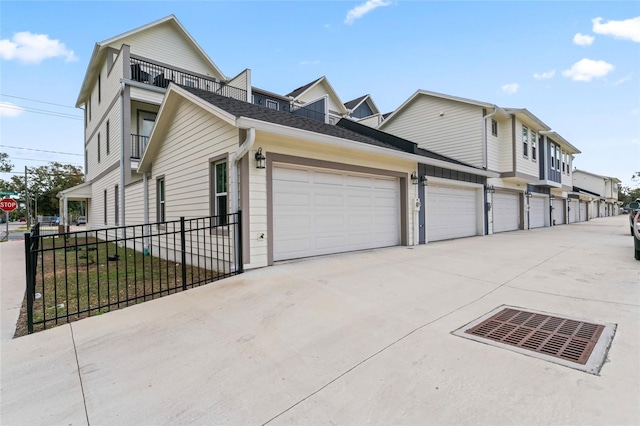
(145, 229)
(246, 145)
(122, 162)
(484, 137)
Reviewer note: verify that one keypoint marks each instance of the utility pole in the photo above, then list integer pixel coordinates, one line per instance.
(26, 198)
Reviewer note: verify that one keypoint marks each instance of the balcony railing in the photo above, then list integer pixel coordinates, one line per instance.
(138, 144)
(161, 76)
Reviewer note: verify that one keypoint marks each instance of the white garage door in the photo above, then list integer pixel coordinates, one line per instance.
(558, 211)
(506, 212)
(319, 211)
(537, 211)
(574, 209)
(451, 212)
(583, 211)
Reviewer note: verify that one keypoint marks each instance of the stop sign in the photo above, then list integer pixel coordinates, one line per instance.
(8, 204)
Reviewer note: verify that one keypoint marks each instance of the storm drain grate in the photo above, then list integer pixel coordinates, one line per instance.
(563, 338)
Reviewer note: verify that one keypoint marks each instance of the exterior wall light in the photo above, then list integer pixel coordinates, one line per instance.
(552, 197)
(423, 180)
(490, 189)
(414, 178)
(260, 159)
(528, 194)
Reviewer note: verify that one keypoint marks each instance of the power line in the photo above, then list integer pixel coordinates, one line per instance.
(42, 150)
(35, 100)
(48, 174)
(43, 112)
(35, 159)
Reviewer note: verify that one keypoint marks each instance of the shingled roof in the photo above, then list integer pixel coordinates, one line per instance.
(355, 102)
(345, 129)
(249, 110)
(301, 89)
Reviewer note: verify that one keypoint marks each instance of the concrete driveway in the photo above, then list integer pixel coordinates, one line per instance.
(349, 339)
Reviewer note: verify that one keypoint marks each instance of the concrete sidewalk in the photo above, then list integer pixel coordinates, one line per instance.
(12, 286)
(349, 339)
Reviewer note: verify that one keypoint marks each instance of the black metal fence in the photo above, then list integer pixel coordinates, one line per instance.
(161, 76)
(85, 273)
(138, 145)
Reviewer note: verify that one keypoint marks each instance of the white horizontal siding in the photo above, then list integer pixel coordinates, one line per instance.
(134, 207)
(193, 138)
(457, 133)
(372, 121)
(318, 91)
(506, 145)
(589, 182)
(147, 96)
(526, 164)
(164, 43)
(241, 81)
(96, 212)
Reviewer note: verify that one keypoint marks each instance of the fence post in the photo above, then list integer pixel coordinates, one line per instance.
(183, 249)
(240, 265)
(29, 290)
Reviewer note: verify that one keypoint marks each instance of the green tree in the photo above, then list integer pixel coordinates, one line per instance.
(629, 194)
(5, 164)
(45, 182)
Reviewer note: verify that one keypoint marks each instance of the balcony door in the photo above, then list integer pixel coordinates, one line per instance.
(146, 121)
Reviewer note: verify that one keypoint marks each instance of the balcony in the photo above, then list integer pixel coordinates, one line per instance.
(138, 144)
(160, 76)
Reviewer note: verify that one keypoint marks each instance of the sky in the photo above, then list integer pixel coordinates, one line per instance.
(575, 65)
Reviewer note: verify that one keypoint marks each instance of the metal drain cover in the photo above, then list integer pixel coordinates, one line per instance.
(572, 342)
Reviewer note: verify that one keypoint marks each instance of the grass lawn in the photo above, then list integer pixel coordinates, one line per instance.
(87, 277)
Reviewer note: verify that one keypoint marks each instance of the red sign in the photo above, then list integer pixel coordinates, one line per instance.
(8, 204)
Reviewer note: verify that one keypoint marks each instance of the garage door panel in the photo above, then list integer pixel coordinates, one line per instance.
(506, 212)
(328, 179)
(359, 201)
(537, 211)
(451, 212)
(291, 199)
(293, 175)
(329, 200)
(344, 212)
(358, 181)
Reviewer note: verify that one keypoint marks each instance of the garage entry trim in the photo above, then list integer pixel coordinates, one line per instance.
(312, 162)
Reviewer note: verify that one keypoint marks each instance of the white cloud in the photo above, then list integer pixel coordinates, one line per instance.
(364, 8)
(544, 75)
(588, 69)
(622, 80)
(7, 109)
(629, 29)
(510, 88)
(583, 39)
(309, 62)
(327, 26)
(635, 111)
(33, 48)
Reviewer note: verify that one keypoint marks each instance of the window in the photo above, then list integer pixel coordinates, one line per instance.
(105, 206)
(534, 144)
(117, 205)
(525, 141)
(220, 191)
(494, 127)
(99, 88)
(272, 104)
(564, 159)
(107, 137)
(98, 147)
(552, 149)
(189, 81)
(558, 157)
(160, 196)
(86, 162)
